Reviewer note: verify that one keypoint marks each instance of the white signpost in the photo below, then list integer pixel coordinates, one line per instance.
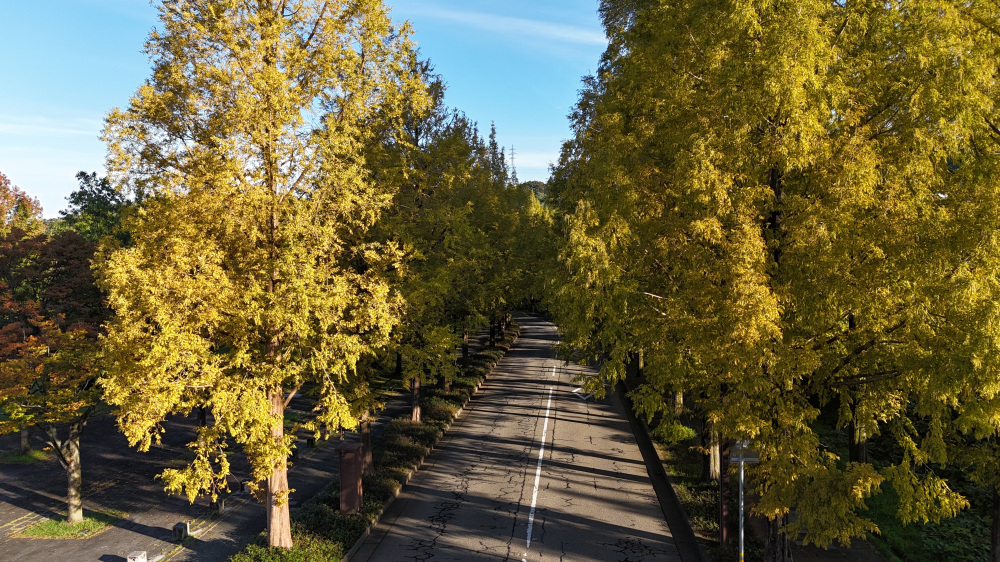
(743, 454)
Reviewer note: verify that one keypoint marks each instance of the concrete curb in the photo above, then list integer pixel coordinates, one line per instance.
(419, 464)
(688, 546)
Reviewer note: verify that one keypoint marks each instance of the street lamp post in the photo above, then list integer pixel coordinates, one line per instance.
(744, 455)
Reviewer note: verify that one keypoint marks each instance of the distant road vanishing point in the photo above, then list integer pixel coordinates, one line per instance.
(533, 471)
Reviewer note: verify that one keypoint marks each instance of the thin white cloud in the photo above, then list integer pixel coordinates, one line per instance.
(20, 129)
(37, 125)
(516, 26)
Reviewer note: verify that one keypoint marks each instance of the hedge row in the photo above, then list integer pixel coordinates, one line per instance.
(319, 530)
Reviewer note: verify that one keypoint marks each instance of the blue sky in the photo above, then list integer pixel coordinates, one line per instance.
(515, 62)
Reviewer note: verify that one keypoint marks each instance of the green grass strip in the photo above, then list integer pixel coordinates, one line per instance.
(56, 527)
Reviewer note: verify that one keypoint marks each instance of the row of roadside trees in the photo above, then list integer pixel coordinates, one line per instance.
(292, 207)
(788, 208)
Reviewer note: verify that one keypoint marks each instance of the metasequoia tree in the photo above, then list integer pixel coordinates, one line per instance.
(457, 221)
(249, 275)
(788, 205)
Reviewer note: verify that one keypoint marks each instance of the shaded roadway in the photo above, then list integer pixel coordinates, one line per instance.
(472, 500)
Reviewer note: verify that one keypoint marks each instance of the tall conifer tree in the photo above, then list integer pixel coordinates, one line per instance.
(785, 205)
(249, 275)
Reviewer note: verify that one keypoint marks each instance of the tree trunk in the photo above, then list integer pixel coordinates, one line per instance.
(714, 455)
(678, 404)
(25, 441)
(778, 547)
(723, 498)
(465, 344)
(68, 453)
(74, 473)
(367, 462)
(995, 531)
(706, 459)
(202, 416)
(415, 388)
(279, 522)
(493, 332)
(858, 450)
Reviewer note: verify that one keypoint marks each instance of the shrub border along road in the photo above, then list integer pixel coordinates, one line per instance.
(320, 531)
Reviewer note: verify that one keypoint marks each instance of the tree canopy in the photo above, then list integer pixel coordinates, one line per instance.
(250, 275)
(788, 205)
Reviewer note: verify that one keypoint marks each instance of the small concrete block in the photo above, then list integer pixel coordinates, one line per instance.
(182, 531)
(295, 454)
(217, 506)
(310, 441)
(244, 486)
(137, 556)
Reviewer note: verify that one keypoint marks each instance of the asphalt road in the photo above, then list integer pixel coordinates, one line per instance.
(532, 471)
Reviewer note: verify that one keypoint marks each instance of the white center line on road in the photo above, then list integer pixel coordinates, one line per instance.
(538, 469)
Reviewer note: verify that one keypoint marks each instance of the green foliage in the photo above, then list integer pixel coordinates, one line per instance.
(308, 548)
(674, 433)
(56, 527)
(962, 538)
(96, 210)
(756, 203)
(16, 457)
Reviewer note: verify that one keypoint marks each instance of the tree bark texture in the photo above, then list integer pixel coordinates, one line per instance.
(68, 453)
(74, 473)
(723, 498)
(714, 456)
(995, 531)
(25, 441)
(465, 345)
(367, 462)
(279, 522)
(778, 545)
(415, 388)
(858, 450)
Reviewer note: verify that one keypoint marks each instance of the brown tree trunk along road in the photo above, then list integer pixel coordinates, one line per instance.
(532, 471)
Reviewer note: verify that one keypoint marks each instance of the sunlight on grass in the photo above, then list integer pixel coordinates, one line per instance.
(15, 457)
(56, 528)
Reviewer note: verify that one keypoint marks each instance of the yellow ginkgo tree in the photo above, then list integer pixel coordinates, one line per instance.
(249, 277)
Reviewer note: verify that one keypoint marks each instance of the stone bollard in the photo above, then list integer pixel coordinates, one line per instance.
(244, 486)
(351, 466)
(217, 506)
(182, 531)
(137, 556)
(295, 454)
(310, 442)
